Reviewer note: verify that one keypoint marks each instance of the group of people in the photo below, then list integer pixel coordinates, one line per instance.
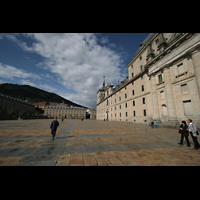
(184, 130)
(154, 123)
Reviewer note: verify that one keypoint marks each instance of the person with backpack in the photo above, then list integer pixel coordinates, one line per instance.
(53, 127)
(194, 132)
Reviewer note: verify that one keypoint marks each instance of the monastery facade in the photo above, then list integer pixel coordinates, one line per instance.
(163, 83)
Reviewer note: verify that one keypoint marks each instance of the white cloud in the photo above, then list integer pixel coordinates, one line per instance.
(41, 86)
(47, 88)
(104, 40)
(27, 82)
(78, 60)
(7, 71)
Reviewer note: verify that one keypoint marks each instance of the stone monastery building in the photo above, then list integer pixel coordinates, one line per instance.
(163, 83)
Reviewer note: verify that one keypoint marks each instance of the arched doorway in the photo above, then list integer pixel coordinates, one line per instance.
(87, 114)
(164, 112)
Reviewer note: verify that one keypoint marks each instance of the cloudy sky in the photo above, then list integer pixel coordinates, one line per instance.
(71, 65)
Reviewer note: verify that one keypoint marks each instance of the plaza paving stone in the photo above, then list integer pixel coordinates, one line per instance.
(92, 143)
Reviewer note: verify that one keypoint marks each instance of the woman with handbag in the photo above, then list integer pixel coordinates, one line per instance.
(184, 133)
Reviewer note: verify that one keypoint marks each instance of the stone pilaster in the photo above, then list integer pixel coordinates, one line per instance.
(172, 116)
(196, 63)
(156, 115)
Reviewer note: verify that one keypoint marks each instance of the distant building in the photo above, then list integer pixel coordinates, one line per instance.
(14, 106)
(163, 83)
(69, 112)
(39, 105)
(53, 103)
(91, 112)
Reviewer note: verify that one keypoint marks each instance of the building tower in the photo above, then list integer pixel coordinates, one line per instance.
(103, 83)
(101, 92)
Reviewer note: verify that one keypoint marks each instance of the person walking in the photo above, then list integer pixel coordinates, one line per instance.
(156, 123)
(152, 124)
(184, 133)
(53, 127)
(193, 131)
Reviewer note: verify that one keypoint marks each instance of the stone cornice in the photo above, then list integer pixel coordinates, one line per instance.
(168, 49)
(143, 49)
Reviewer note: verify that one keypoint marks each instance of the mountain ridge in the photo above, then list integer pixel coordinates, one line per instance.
(33, 94)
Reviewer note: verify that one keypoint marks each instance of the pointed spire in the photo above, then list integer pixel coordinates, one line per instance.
(103, 81)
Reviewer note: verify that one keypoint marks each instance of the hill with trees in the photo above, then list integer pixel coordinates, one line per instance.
(33, 94)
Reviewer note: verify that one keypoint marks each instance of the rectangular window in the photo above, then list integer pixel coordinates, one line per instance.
(133, 103)
(126, 114)
(133, 92)
(125, 105)
(181, 68)
(143, 100)
(157, 41)
(142, 87)
(120, 114)
(119, 98)
(145, 113)
(141, 67)
(160, 78)
(141, 77)
(125, 96)
(188, 108)
(115, 107)
(184, 89)
(162, 95)
(134, 113)
(132, 75)
(132, 82)
(132, 66)
(119, 106)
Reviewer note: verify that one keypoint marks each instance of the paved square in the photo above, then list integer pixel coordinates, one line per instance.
(92, 143)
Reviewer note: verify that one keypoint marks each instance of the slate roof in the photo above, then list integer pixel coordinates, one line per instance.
(143, 43)
(121, 84)
(15, 99)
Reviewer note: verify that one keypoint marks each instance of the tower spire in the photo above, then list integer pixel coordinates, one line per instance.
(103, 81)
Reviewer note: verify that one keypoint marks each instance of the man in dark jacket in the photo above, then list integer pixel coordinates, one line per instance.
(184, 133)
(53, 127)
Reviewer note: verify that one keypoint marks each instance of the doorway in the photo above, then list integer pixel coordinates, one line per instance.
(87, 115)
